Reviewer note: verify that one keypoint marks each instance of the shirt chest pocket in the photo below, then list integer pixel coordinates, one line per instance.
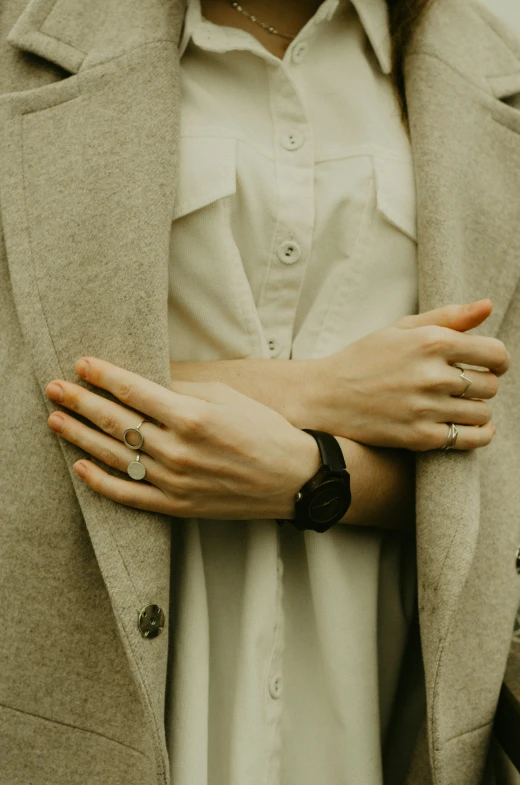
(376, 282)
(211, 310)
(207, 173)
(395, 193)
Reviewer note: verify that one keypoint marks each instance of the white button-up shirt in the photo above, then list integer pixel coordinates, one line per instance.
(294, 234)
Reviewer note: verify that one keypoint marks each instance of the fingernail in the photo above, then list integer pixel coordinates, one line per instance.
(80, 469)
(82, 367)
(56, 422)
(55, 392)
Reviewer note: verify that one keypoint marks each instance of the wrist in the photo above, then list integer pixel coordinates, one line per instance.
(325, 497)
(305, 460)
(309, 394)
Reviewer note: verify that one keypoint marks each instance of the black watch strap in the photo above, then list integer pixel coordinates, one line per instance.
(330, 451)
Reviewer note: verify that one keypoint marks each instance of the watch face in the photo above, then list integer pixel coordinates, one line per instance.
(329, 502)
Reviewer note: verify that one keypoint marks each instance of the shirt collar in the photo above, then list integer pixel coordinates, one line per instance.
(374, 18)
(373, 15)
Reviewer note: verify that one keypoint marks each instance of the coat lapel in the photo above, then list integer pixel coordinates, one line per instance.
(88, 170)
(87, 178)
(465, 135)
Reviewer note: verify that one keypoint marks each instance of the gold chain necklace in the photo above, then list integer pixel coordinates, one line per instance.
(269, 28)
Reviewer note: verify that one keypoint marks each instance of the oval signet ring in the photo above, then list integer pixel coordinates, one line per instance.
(138, 432)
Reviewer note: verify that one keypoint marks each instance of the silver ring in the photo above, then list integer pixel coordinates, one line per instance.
(136, 470)
(452, 437)
(468, 385)
(138, 432)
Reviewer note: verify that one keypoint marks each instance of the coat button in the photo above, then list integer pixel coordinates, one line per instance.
(151, 621)
(518, 561)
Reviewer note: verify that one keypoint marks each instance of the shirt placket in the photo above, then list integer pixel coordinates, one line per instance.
(292, 238)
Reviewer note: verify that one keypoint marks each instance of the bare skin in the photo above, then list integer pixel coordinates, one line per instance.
(217, 453)
(394, 388)
(287, 17)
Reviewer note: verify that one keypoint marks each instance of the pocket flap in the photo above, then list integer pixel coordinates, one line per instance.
(207, 172)
(395, 193)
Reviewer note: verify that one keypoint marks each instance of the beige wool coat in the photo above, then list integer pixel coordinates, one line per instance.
(89, 122)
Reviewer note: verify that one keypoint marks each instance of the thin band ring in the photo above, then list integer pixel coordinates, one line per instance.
(450, 442)
(138, 432)
(468, 385)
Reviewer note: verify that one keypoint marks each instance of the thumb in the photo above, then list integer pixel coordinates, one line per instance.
(456, 317)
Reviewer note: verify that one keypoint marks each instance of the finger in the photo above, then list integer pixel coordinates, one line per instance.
(107, 415)
(137, 392)
(467, 412)
(457, 317)
(477, 350)
(469, 437)
(101, 446)
(127, 492)
(484, 384)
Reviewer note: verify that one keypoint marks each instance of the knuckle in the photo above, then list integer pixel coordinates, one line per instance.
(433, 379)
(493, 384)
(108, 424)
(499, 353)
(420, 410)
(73, 401)
(108, 456)
(192, 422)
(180, 459)
(125, 392)
(485, 414)
(434, 339)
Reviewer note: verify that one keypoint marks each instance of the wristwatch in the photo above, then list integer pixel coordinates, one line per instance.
(325, 498)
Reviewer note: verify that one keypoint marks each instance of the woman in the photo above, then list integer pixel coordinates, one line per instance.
(127, 170)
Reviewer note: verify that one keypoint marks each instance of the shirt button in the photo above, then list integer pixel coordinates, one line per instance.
(151, 621)
(292, 140)
(299, 52)
(275, 687)
(289, 252)
(275, 347)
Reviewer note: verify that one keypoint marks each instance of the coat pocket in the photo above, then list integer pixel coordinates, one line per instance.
(48, 752)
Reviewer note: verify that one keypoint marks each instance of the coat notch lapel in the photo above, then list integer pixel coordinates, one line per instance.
(74, 34)
(463, 92)
(88, 168)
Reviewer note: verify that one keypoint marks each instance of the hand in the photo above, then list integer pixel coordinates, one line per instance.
(216, 454)
(397, 387)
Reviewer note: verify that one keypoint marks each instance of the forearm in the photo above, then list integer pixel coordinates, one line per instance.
(382, 479)
(382, 485)
(283, 385)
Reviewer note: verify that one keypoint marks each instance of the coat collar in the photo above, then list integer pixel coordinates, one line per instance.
(88, 168)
